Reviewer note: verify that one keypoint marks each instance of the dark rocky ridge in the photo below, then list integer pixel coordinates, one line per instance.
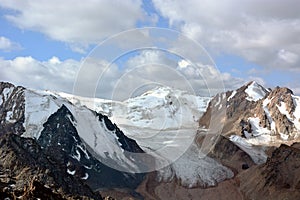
(12, 107)
(59, 138)
(28, 172)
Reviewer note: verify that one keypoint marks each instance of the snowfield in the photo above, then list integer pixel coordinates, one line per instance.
(161, 108)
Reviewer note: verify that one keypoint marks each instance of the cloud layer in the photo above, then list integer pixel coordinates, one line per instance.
(52, 74)
(92, 77)
(73, 21)
(264, 32)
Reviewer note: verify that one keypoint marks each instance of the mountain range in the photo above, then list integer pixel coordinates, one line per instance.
(59, 146)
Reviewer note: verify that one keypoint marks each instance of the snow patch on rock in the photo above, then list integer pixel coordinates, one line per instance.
(256, 128)
(296, 100)
(71, 172)
(232, 95)
(295, 117)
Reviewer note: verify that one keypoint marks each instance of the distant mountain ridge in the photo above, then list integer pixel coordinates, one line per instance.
(159, 108)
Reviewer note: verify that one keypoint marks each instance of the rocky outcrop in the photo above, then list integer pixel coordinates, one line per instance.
(27, 172)
(12, 108)
(278, 178)
(252, 110)
(230, 155)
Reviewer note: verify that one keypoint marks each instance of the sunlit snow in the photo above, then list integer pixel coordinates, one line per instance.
(255, 92)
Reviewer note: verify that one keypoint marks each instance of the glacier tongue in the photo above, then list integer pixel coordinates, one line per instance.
(257, 154)
(194, 169)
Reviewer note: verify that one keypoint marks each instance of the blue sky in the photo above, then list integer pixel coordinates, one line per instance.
(256, 40)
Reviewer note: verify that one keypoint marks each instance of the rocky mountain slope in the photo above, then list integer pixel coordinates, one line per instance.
(278, 178)
(79, 142)
(12, 108)
(260, 114)
(28, 172)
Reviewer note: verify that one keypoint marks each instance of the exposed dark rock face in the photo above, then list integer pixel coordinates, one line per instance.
(12, 108)
(127, 143)
(59, 139)
(27, 172)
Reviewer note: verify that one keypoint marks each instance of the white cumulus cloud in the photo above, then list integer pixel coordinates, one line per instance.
(7, 45)
(76, 22)
(256, 30)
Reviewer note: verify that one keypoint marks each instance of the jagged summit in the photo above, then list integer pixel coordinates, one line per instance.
(255, 91)
(259, 114)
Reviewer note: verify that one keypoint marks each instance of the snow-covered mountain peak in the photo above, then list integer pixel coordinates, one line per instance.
(259, 115)
(255, 91)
